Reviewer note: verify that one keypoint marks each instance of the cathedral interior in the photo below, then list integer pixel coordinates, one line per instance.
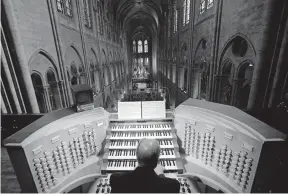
(231, 53)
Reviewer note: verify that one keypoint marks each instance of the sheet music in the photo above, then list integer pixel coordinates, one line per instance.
(129, 110)
(153, 109)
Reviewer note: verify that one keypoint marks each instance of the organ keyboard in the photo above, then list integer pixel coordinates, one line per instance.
(223, 146)
(122, 141)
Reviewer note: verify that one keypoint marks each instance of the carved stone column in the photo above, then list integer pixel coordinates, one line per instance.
(60, 87)
(218, 83)
(47, 97)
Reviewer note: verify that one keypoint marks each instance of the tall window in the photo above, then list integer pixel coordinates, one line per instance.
(65, 7)
(134, 46)
(100, 17)
(184, 12)
(140, 46)
(175, 18)
(146, 61)
(87, 14)
(188, 11)
(209, 4)
(146, 46)
(202, 6)
(140, 62)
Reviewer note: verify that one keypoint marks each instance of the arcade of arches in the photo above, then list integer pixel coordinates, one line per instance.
(191, 48)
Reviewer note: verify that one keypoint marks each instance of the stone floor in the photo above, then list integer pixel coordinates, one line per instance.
(9, 182)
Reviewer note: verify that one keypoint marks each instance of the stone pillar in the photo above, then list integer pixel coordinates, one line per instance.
(19, 49)
(61, 93)
(218, 81)
(235, 85)
(281, 70)
(3, 106)
(10, 81)
(266, 50)
(47, 97)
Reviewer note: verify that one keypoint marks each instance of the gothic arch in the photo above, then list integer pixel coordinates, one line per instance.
(229, 43)
(46, 54)
(48, 71)
(41, 61)
(75, 48)
(38, 74)
(201, 50)
(240, 52)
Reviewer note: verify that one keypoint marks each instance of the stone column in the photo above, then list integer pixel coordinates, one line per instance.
(235, 85)
(218, 81)
(47, 97)
(10, 81)
(281, 70)
(3, 106)
(19, 49)
(61, 93)
(266, 50)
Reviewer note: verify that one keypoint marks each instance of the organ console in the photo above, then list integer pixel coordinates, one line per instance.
(224, 147)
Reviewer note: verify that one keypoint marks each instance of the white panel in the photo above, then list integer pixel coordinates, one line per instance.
(129, 110)
(153, 109)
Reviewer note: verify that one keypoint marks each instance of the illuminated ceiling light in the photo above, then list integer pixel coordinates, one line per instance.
(250, 65)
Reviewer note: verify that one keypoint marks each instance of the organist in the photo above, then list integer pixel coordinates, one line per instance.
(148, 176)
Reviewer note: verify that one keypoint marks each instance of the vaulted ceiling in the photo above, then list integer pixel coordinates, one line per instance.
(139, 16)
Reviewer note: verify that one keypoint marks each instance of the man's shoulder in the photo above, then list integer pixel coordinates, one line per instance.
(119, 175)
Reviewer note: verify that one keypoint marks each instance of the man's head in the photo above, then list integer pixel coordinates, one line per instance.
(148, 152)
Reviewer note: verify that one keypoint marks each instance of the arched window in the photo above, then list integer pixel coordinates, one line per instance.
(140, 46)
(188, 11)
(209, 4)
(202, 6)
(87, 14)
(134, 46)
(184, 12)
(140, 62)
(74, 71)
(146, 61)
(100, 17)
(65, 7)
(175, 17)
(39, 92)
(146, 46)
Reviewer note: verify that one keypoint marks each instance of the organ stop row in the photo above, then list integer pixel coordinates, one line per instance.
(222, 146)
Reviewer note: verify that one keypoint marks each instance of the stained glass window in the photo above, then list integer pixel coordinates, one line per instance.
(68, 8)
(60, 5)
(146, 46)
(184, 12)
(65, 7)
(134, 46)
(202, 6)
(140, 46)
(209, 4)
(188, 11)
(146, 61)
(175, 18)
(87, 14)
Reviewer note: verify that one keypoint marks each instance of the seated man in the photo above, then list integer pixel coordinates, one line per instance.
(144, 179)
